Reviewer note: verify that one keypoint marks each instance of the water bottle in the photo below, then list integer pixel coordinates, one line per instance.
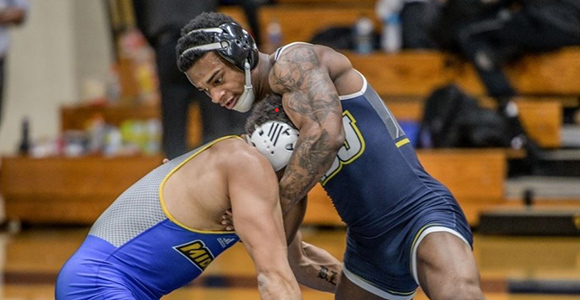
(392, 33)
(363, 35)
(274, 35)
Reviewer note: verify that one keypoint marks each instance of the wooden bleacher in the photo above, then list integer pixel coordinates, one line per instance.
(416, 73)
(547, 82)
(359, 3)
(65, 190)
(77, 190)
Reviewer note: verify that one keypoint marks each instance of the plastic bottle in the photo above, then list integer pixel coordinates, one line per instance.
(113, 85)
(113, 141)
(392, 33)
(363, 35)
(274, 35)
(154, 129)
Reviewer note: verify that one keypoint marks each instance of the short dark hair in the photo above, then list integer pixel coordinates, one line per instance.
(269, 109)
(186, 41)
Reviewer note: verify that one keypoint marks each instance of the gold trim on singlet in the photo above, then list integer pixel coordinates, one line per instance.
(402, 142)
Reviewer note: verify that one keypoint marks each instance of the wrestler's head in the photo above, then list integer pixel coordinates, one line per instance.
(217, 55)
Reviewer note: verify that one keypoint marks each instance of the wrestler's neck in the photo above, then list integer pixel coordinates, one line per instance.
(260, 76)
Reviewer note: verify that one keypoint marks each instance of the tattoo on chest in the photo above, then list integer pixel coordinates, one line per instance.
(328, 275)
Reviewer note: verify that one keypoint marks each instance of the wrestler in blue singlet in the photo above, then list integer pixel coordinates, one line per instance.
(385, 197)
(136, 250)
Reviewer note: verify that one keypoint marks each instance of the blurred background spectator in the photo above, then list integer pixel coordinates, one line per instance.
(491, 33)
(12, 13)
(160, 22)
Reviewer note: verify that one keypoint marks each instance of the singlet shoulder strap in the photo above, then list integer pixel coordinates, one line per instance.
(281, 49)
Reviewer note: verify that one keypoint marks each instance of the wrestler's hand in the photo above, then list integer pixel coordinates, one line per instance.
(228, 220)
(165, 160)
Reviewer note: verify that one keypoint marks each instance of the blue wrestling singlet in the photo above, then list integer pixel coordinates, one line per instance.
(136, 250)
(385, 197)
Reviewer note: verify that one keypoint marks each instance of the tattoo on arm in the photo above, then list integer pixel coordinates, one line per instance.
(310, 93)
(328, 275)
(314, 155)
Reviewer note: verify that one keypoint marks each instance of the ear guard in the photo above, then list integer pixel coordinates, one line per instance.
(275, 140)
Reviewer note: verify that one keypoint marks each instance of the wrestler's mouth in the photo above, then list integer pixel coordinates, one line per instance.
(231, 103)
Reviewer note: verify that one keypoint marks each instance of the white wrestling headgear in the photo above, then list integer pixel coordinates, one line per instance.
(275, 140)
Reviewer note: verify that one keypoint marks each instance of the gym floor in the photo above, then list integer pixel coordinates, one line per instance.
(512, 268)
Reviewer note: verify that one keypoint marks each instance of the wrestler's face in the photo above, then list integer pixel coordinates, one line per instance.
(219, 79)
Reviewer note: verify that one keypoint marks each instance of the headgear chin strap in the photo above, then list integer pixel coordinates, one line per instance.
(247, 98)
(275, 140)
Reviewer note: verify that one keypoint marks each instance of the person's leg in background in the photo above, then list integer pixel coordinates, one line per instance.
(161, 22)
(477, 44)
(2, 206)
(177, 93)
(176, 96)
(1, 88)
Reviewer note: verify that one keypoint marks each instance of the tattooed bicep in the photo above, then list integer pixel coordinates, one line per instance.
(294, 66)
(307, 87)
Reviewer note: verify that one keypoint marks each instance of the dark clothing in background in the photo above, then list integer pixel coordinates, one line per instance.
(155, 17)
(1, 85)
(161, 22)
(10, 7)
(250, 8)
(490, 35)
(418, 19)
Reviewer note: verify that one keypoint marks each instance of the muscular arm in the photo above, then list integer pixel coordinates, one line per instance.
(311, 101)
(313, 266)
(293, 219)
(253, 190)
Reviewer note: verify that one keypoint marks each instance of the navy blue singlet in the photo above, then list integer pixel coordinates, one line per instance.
(385, 197)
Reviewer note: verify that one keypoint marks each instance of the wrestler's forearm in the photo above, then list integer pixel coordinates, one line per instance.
(312, 157)
(314, 267)
(272, 286)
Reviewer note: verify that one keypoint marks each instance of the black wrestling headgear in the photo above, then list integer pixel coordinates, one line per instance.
(232, 43)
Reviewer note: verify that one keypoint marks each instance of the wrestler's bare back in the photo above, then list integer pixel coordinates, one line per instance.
(197, 194)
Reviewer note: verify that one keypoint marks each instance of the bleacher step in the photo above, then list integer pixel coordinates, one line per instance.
(561, 162)
(530, 221)
(570, 136)
(543, 187)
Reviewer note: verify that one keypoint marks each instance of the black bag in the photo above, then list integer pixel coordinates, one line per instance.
(453, 119)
